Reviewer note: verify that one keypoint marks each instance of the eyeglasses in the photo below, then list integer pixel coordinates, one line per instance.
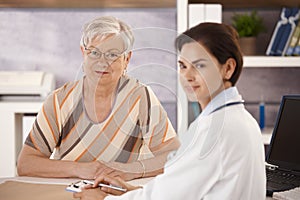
(110, 55)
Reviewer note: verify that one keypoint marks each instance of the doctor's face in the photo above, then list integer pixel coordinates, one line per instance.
(200, 73)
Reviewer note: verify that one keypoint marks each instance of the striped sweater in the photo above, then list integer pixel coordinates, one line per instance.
(137, 120)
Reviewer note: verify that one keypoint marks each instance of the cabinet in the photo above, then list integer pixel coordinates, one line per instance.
(11, 133)
(249, 61)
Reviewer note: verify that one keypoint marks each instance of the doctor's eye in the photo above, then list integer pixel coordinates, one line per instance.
(181, 66)
(199, 65)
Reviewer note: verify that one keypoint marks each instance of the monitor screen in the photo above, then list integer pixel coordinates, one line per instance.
(285, 144)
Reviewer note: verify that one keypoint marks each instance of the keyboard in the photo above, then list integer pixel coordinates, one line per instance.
(278, 180)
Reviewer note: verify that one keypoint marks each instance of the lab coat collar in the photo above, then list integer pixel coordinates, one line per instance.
(226, 96)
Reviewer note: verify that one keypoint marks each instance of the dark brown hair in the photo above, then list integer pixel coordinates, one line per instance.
(220, 40)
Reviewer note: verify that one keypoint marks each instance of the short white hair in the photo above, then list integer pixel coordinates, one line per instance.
(105, 26)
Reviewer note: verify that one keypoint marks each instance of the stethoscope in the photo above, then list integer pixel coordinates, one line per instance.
(227, 104)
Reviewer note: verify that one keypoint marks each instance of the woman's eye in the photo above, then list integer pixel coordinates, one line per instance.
(112, 55)
(95, 53)
(181, 66)
(199, 65)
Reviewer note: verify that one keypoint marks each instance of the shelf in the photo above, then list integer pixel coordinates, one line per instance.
(271, 61)
(87, 4)
(251, 4)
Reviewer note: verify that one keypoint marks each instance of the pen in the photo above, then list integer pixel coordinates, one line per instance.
(106, 185)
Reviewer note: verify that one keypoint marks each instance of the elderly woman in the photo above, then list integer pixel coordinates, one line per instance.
(222, 154)
(105, 123)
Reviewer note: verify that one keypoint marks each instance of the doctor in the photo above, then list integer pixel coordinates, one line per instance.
(222, 155)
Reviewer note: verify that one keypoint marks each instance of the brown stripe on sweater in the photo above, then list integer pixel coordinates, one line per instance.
(77, 141)
(42, 135)
(128, 147)
(72, 120)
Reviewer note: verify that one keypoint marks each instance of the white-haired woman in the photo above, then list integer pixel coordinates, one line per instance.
(102, 123)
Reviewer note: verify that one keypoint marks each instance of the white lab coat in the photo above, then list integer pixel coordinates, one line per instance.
(221, 157)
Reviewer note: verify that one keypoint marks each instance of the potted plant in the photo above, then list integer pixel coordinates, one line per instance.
(248, 27)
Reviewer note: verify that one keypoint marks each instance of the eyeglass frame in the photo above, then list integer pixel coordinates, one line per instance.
(101, 53)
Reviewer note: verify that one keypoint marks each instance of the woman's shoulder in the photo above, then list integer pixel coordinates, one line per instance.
(68, 89)
(132, 81)
(129, 83)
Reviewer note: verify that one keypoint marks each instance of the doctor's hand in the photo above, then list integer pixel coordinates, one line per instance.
(90, 193)
(116, 181)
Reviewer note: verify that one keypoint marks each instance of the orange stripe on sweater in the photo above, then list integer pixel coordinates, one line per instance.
(152, 134)
(115, 133)
(68, 94)
(107, 123)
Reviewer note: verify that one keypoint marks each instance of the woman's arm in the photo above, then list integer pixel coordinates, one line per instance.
(31, 162)
(144, 168)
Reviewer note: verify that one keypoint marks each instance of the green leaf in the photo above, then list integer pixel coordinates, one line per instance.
(248, 25)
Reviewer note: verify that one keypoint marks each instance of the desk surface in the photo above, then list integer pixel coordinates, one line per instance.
(32, 188)
(61, 181)
(27, 188)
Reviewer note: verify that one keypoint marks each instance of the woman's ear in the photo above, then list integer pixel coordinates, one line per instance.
(127, 57)
(228, 68)
(82, 49)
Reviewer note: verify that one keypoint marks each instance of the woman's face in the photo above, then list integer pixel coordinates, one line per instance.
(105, 60)
(200, 73)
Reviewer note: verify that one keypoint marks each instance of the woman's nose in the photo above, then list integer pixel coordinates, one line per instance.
(102, 62)
(189, 74)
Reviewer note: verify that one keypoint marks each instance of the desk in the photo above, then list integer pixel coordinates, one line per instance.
(32, 188)
(61, 184)
(29, 188)
(11, 133)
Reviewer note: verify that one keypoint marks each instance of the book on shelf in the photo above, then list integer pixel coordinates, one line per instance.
(283, 31)
(201, 12)
(297, 48)
(294, 41)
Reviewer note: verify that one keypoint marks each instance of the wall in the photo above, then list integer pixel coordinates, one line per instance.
(48, 40)
(268, 85)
